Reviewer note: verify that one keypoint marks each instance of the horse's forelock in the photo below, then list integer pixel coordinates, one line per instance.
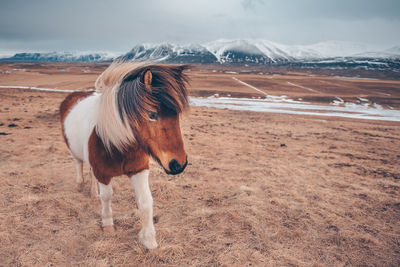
(169, 87)
(168, 91)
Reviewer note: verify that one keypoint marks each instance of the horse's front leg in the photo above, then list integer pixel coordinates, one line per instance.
(106, 193)
(140, 183)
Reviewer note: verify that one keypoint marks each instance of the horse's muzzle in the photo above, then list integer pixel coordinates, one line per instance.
(175, 167)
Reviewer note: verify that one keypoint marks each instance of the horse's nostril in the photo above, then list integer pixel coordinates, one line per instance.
(174, 166)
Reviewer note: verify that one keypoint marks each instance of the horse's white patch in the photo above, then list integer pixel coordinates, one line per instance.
(106, 193)
(140, 183)
(79, 124)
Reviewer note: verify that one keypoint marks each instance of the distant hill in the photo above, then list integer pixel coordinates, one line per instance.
(61, 57)
(333, 54)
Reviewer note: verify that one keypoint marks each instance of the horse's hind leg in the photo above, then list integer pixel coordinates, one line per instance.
(106, 193)
(79, 174)
(94, 188)
(79, 171)
(140, 183)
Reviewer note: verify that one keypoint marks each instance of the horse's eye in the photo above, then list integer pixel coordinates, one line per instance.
(153, 116)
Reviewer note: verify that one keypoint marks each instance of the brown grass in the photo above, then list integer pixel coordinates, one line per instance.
(328, 197)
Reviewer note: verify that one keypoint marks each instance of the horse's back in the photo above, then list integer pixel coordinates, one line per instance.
(78, 114)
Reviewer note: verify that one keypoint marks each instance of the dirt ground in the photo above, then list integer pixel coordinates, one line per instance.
(261, 189)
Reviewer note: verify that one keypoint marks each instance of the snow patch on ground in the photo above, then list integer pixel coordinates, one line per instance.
(251, 86)
(41, 89)
(287, 106)
(303, 87)
(355, 78)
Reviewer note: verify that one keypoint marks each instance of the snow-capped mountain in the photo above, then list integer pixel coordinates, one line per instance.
(63, 57)
(276, 52)
(220, 51)
(263, 52)
(332, 54)
(170, 53)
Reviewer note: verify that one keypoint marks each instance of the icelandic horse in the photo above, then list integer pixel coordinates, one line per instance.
(133, 115)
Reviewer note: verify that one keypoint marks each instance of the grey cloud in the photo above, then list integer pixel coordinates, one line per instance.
(120, 24)
(250, 4)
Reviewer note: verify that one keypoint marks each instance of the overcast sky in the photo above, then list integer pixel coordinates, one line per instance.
(117, 25)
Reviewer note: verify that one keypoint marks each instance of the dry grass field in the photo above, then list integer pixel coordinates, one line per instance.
(261, 189)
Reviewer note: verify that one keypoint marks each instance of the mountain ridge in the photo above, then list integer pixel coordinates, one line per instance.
(333, 54)
(239, 51)
(61, 57)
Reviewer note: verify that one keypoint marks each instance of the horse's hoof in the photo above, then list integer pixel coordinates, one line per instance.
(108, 229)
(80, 187)
(148, 239)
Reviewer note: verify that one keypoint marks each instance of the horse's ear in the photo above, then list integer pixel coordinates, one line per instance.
(147, 79)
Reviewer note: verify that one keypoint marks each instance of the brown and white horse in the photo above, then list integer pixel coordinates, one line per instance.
(132, 116)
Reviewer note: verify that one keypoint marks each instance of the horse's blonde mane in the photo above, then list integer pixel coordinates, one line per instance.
(124, 101)
(114, 75)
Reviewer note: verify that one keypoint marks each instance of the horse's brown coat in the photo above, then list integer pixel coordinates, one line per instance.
(106, 165)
